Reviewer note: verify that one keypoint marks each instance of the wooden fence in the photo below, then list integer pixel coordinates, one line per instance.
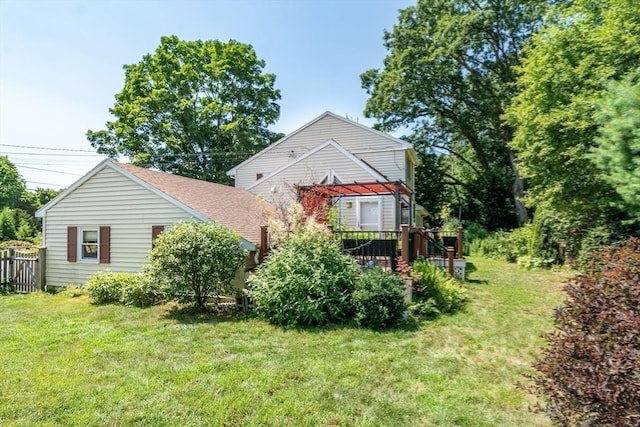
(22, 269)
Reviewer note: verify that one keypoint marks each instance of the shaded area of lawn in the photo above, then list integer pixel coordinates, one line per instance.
(64, 361)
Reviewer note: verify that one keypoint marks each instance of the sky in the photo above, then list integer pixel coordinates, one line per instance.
(61, 64)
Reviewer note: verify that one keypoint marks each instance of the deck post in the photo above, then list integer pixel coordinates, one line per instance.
(450, 260)
(264, 241)
(460, 242)
(404, 251)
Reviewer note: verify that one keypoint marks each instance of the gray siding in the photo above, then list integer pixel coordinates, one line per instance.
(279, 189)
(107, 199)
(351, 136)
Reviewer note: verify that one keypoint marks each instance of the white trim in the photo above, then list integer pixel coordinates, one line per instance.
(330, 142)
(331, 177)
(406, 145)
(368, 199)
(81, 243)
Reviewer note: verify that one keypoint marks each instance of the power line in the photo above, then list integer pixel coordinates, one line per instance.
(45, 183)
(46, 148)
(48, 170)
(55, 154)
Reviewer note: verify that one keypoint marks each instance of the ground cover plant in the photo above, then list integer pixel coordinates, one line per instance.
(65, 361)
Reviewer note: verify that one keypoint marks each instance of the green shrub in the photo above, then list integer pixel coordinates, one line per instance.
(589, 372)
(105, 287)
(434, 291)
(306, 281)
(143, 292)
(7, 224)
(473, 235)
(137, 289)
(74, 291)
(197, 261)
(379, 299)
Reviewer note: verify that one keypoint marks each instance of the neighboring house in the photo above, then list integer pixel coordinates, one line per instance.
(335, 152)
(109, 218)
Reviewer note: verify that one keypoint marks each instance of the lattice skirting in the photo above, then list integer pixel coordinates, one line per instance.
(459, 266)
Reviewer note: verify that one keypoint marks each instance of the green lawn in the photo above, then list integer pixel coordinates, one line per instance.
(66, 362)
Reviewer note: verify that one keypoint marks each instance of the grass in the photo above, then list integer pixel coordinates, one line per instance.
(66, 362)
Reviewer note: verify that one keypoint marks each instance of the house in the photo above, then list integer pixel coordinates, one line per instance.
(369, 175)
(108, 219)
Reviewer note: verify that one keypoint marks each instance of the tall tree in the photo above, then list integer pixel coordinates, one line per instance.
(563, 79)
(448, 77)
(194, 108)
(617, 149)
(11, 183)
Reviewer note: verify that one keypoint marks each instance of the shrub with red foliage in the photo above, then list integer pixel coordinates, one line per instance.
(590, 374)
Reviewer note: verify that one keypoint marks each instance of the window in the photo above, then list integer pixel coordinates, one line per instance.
(155, 232)
(89, 245)
(369, 213)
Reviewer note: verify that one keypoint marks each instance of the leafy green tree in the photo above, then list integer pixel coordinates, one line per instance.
(193, 108)
(562, 79)
(197, 261)
(617, 150)
(11, 182)
(448, 77)
(7, 225)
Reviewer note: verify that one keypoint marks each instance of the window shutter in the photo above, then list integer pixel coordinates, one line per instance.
(72, 244)
(105, 244)
(155, 232)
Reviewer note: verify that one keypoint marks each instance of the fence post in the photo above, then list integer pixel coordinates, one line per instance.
(263, 243)
(11, 275)
(450, 260)
(460, 242)
(404, 248)
(41, 272)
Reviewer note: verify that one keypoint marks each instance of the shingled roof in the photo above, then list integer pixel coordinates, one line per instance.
(232, 207)
(235, 208)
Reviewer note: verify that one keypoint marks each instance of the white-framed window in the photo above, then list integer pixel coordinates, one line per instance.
(89, 244)
(331, 177)
(369, 213)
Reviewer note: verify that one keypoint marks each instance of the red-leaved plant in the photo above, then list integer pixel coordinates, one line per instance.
(590, 373)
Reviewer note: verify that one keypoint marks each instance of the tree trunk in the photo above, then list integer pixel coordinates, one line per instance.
(517, 189)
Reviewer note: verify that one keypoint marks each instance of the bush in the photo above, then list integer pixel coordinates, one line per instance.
(379, 300)
(142, 292)
(306, 281)
(196, 261)
(434, 291)
(105, 287)
(590, 371)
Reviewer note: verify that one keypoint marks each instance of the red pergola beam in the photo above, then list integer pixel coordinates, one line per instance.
(356, 189)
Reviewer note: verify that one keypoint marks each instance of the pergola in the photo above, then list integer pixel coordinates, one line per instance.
(316, 198)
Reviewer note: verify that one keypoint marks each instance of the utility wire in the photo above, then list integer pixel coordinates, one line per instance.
(46, 148)
(49, 170)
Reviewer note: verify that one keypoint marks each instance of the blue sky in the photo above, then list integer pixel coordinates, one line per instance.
(61, 64)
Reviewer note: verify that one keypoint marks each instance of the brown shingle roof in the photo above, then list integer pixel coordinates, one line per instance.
(233, 207)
